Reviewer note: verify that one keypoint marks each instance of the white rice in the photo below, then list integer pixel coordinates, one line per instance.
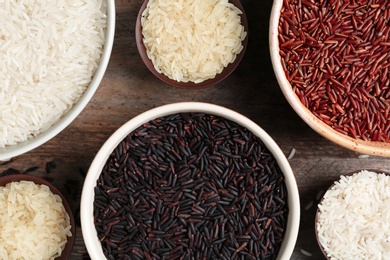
(192, 40)
(49, 51)
(305, 252)
(292, 153)
(33, 222)
(354, 217)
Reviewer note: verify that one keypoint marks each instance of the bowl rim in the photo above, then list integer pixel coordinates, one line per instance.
(322, 199)
(66, 252)
(87, 197)
(191, 85)
(11, 151)
(358, 145)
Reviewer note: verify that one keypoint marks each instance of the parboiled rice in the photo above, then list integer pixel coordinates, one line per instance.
(33, 222)
(49, 51)
(354, 217)
(192, 40)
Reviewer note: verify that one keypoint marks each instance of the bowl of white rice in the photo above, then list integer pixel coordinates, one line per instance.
(36, 222)
(53, 57)
(352, 220)
(191, 44)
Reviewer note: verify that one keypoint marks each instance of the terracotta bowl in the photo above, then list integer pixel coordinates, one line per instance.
(321, 200)
(190, 85)
(361, 146)
(27, 177)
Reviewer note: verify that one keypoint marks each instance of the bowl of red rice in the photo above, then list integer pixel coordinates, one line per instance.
(332, 61)
(191, 44)
(36, 221)
(53, 57)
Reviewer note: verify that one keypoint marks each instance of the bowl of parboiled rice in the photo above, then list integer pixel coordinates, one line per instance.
(191, 44)
(190, 180)
(53, 57)
(331, 60)
(36, 221)
(353, 216)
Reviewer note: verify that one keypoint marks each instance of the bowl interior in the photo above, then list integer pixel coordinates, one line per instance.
(366, 147)
(190, 85)
(27, 177)
(10, 151)
(317, 211)
(87, 220)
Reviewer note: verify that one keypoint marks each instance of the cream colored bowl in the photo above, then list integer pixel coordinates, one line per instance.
(365, 147)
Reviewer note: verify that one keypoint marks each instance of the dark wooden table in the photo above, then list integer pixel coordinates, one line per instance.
(129, 89)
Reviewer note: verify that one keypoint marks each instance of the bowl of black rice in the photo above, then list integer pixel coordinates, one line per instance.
(190, 181)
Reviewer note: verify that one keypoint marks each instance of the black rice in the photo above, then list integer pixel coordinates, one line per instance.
(191, 186)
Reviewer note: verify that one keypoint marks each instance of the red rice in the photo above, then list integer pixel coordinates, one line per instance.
(336, 56)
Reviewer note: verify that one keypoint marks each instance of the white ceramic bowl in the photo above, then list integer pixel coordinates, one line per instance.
(365, 147)
(87, 199)
(14, 150)
(350, 226)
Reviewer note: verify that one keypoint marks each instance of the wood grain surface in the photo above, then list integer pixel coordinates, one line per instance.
(129, 89)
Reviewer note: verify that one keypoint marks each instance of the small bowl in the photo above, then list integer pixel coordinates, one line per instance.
(190, 85)
(358, 145)
(92, 242)
(323, 250)
(4, 180)
(11, 151)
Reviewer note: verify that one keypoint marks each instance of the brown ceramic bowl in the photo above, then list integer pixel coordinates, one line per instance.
(27, 177)
(190, 85)
(358, 145)
(321, 200)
